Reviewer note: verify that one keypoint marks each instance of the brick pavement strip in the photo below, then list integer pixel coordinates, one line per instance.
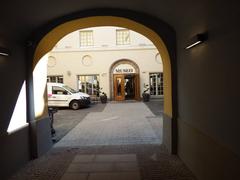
(104, 166)
(115, 176)
(116, 158)
(84, 158)
(74, 176)
(89, 167)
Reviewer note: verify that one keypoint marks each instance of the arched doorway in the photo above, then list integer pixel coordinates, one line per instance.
(127, 20)
(124, 80)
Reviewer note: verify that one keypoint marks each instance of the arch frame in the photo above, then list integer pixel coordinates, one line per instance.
(114, 65)
(161, 34)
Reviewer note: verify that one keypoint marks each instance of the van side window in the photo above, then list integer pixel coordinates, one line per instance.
(59, 90)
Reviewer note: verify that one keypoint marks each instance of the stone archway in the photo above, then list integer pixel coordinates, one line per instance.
(53, 36)
(135, 22)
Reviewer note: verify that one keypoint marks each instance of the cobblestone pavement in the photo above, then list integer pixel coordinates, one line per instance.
(66, 119)
(156, 106)
(117, 124)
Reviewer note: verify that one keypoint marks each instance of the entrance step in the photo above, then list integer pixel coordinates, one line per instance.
(103, 167)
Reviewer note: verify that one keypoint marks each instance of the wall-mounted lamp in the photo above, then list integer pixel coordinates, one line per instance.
(69, 73)
(198, 39)
(4, 52)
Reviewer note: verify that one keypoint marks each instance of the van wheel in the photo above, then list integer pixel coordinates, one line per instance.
(74, 105)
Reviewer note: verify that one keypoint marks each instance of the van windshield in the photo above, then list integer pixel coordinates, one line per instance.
(69, 89)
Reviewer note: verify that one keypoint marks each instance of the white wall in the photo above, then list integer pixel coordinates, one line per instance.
(69, 41)
(103, 38)
(101, 63)
(69, 56)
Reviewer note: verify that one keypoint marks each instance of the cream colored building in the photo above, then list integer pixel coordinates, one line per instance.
(118, 60)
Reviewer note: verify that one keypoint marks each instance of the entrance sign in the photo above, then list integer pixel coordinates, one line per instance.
(124, 69)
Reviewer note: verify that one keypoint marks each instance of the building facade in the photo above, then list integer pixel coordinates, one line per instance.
(120, 62)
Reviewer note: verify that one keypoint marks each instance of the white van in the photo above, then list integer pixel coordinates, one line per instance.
(60, 95)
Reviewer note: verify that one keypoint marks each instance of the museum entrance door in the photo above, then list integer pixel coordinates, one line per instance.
(126, 87)
(119, 92)
(124, 81)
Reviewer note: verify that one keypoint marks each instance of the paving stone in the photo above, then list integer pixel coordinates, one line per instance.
(66, 119)
(83, 158)
(74, 176)
(116, 158)
(115, 126)
(126, 166)
(115, 176)
(90, 167)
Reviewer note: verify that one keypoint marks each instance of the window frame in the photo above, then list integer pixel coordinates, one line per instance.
(60, 88)
(120, 40)
(88, 41)
(84, 76)
(159, 92)
(57, 77)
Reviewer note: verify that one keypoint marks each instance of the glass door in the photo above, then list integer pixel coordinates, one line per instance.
(129, 86)
(119, 90)
(89, 84)
(156, 84)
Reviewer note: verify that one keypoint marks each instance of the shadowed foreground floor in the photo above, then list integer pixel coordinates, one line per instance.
(152, 162)
(119, 141)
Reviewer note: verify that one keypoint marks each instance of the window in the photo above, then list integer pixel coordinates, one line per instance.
(122, 36)
(55, 79)
(69, 89)
(58, 90)
(156, 84)
(86, 38)
(89, 84)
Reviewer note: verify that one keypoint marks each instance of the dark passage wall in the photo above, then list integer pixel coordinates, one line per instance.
(14, 150)
(208, 91)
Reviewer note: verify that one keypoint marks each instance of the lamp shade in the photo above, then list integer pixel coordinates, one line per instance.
(4, 52)
(197, 39)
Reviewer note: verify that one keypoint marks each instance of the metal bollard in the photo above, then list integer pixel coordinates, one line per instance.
(51, 112)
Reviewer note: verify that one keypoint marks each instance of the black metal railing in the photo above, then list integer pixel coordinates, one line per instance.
(51, 112)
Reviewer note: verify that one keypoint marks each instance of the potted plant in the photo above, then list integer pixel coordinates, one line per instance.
(145, 94)
(103, 96)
